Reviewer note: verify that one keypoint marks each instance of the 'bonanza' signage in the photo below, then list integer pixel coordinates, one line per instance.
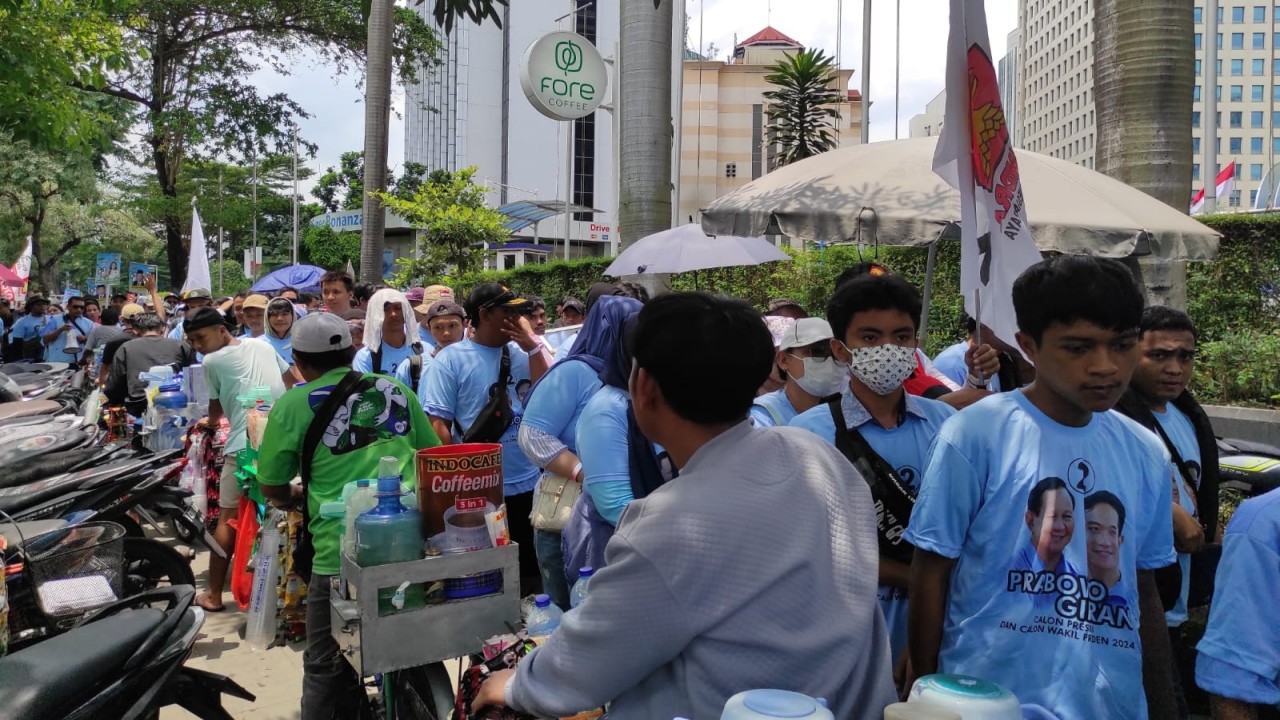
(563, 75)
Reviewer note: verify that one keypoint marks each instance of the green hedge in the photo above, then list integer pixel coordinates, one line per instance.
(1240, 329)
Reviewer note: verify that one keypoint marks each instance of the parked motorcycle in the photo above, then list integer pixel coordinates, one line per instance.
(1248, 468)
(124, 661)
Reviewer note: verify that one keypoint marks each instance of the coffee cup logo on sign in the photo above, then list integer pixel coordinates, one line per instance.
(457, 486)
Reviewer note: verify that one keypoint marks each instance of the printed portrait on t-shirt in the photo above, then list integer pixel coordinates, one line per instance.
(522, 391)
(1051, 523)
(1104, 528)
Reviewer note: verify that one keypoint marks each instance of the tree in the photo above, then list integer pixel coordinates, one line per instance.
(330, 249)
(31, 183)
(342, 188)
(644, 142)
(454, 226)
(193, 92)
(802, 107)
(1144, 69)
(377, 121)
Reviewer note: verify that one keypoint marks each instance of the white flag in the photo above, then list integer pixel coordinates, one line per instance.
(975, 156)
(198, 261)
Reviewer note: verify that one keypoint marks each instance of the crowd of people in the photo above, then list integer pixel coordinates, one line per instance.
(770, 498)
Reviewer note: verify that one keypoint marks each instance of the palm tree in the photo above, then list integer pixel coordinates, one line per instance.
(377, 121)
(645, 123)
(1143, 72)
(802, 110)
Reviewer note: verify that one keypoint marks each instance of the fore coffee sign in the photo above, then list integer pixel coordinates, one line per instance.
(564, 76)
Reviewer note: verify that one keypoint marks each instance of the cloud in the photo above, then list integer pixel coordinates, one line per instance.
(925, 24)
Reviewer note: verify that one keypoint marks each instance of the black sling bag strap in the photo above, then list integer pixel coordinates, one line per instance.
(894, 498)
(304, 552)
(377, 362)
(496, 416)
(1182, 464)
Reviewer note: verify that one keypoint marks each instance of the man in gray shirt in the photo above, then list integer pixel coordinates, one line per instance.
(139, 355)
(755, 568)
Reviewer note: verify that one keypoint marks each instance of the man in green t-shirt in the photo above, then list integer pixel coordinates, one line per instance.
(387, 421)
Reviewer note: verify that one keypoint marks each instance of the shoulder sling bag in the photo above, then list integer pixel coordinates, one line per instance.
(495, 417)
(416, 370)
(894, 498)
(304, 552)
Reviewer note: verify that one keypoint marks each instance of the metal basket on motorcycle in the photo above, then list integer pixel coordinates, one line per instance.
(76, 569)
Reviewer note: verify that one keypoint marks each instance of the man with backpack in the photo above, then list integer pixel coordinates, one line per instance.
(331, 431)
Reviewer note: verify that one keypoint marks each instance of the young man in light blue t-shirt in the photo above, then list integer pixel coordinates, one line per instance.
(876, 319)
(1080, 629)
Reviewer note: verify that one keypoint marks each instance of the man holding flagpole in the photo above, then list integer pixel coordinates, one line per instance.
(1038, 526)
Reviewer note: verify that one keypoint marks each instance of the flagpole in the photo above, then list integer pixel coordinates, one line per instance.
(295, 196)
(1209, 98)
(866, 71)
(897, 65)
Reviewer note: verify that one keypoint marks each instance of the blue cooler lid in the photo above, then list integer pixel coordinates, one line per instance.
(780, 703)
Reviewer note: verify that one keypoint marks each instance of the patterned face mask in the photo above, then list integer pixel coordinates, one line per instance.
(882, 368)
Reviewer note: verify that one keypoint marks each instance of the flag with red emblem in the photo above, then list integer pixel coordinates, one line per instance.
(975, 156)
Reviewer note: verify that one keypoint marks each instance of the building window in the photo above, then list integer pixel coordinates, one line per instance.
(584, 129)
(1275, 145)
(1198, 41)
(1195, 115)
(1195, 146)
(1259, 67)
(1235, 145)
(1275, 119)
(1220, 11)
(1237, 15)
(1235, 198)
(1255, 145)
(731, 170)
(1195, 171)
(1275, 92)
(1256, 93)
(1237, 68)
(1275, 38)
(1195, 93)
(1237, 93)
(1198, 15)
(1275, 66)
(1235, 119)
(757, 141)
(1255, 119)
(1253, 198)
(1259, 13)
(1237, 41)
(1259, 41)
(1255, 171)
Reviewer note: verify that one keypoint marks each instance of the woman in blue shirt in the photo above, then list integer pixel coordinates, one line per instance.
(548, 434)
(279, 334)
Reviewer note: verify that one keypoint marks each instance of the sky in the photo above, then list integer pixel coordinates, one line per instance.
(337, 122)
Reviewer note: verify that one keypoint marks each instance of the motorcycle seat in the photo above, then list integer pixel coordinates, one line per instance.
(26, 409)
(28, 530)
(51, 678)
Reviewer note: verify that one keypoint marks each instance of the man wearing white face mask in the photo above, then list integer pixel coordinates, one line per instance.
(804, 361)
(883, 430)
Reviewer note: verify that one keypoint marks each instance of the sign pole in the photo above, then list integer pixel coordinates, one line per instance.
(568, 182)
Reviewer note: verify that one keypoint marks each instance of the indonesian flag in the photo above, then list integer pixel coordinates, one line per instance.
(22, 269)
(975, 156)
(1197, 202)
(1226, 182)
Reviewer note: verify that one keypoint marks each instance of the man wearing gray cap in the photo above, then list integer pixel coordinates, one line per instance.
(380, 417)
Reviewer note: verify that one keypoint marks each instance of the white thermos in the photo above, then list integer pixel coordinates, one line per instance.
(774, 704)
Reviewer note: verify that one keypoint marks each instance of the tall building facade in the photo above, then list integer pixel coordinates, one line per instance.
(1009, 79)
(1055, 97)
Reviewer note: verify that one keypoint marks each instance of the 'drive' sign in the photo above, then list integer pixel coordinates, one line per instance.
(563, 75)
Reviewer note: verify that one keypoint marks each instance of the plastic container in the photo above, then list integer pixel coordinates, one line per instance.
(579, 592)
(361, 501)
(261, 629)
(197, 387)
(770, 704)
(544, 619)
(171, 416)
(918, 711)
(391, 533)
(969, 697)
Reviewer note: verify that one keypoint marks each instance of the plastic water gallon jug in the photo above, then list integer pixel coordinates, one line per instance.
(773, 704)
(391, 533)
(171, 416)
(361, 501)
(969, 697)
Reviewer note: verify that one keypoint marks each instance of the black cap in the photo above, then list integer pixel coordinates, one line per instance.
(443, 308)
(491, 295)
(599, 290)
(575, 303)
(205, 317)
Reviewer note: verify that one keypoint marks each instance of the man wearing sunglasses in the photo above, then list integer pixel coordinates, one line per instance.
(60, 328)
(1158, 399)
(809, 371)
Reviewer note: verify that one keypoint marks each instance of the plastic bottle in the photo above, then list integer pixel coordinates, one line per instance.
(579, 592)
(544, 619)
(171, 417)
(261, 629)
(391, 533)
(361, 501)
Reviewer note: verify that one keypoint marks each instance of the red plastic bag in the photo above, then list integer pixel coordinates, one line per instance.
(246, 525)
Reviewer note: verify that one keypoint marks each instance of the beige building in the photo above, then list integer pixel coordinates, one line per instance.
(724, 144)
(929, 122)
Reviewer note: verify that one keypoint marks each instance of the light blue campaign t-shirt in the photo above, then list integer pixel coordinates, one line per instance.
(558, 401)
(283, 346)
(456, 387)
(391, 358)
(773, 409)
(905, 447)
(1059, 630)
(603, 449)
(1178, 427)
(1239, 656)
(404, 375)
(54, 351)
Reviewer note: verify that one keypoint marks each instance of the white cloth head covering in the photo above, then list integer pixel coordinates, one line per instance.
(375, 316)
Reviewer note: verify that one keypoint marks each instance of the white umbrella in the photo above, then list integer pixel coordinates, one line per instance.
(887, 192)
(687, 248)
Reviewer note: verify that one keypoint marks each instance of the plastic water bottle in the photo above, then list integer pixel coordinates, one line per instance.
(261, 629)
(391, 533)
(544, 619)
(171, 416)
(579, 592)
(361, 501)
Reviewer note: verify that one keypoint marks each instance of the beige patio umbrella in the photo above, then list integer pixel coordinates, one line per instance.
(887, 192)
